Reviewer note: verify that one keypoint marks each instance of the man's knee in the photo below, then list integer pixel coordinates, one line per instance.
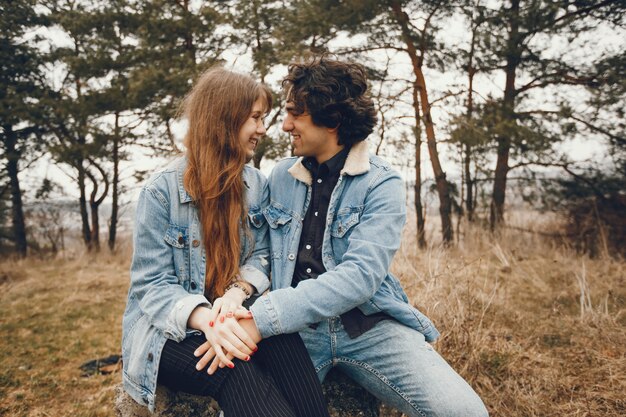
(458, 407)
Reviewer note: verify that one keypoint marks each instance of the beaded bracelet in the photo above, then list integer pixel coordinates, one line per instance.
(242, 287)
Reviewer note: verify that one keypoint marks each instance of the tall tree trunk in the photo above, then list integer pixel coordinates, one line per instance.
(95, 225)
(419, 210)
(496, 216)
(467, 147)
(80, 167)
(445, 204)
(469, 182)
(17, 208)
(513, 56)
(95, 201)
(84, 215)
(116, 180)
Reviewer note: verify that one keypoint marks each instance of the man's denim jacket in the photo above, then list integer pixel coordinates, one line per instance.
(168, 270)
(365, 218)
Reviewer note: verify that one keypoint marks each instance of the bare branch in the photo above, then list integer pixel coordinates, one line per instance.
(105, 179)
(369, 49)
(599, 129)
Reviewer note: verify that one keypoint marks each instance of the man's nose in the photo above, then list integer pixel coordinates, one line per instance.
(287, 123)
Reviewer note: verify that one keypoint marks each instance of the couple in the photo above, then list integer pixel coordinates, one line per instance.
(209, 227)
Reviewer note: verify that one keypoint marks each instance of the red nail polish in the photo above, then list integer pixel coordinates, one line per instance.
(255, 349)
(211, 324)
(221, 319)
(231, 366)
(247, 358)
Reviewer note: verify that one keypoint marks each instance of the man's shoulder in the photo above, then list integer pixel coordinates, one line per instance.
(286, 163)
(250, 172)
(282, 167)
(379, 163)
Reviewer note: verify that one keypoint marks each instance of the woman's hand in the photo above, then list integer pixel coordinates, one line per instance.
(227, 336)
(208, 352)
(226, 305)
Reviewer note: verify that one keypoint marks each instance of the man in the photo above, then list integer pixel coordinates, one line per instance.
(336, 215)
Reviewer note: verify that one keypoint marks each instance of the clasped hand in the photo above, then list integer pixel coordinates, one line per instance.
(230, 333)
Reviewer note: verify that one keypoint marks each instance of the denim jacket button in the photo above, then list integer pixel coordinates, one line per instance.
(193, 286)
(150, 357)
(291, 257)
(181, 240)
(195, 243)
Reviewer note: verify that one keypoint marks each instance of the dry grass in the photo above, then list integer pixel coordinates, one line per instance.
(538, 330)
(54, 316)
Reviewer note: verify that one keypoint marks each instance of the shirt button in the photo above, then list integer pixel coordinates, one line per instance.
(319, 180)
(308, 246)
(291, 257)
(308, 270)
(315, 214)
(195, 243)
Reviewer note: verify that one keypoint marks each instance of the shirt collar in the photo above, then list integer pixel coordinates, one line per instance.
(333, 166)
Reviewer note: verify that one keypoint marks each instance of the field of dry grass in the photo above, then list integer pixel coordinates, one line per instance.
(537, 329)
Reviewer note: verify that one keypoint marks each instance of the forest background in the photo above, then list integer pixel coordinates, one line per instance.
(506, 119)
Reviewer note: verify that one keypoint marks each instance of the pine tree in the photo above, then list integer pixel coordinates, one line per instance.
(177, 40)
(525, 135)
(76, 109)
(21, 81)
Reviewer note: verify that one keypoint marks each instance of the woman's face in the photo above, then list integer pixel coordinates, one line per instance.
(253, 128)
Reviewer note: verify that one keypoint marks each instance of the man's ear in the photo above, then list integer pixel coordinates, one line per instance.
(333, 129)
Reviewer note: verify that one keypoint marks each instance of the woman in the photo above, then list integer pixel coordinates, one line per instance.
(200, 250)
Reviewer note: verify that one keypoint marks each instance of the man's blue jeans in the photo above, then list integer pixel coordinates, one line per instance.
(395, 364)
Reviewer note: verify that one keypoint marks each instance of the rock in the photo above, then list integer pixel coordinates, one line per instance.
(345, 399)
(168, 404)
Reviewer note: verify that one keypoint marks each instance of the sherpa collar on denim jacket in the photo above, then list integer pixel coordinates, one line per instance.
(357, 163)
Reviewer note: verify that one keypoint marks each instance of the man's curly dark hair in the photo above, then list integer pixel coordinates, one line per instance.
(335, 94)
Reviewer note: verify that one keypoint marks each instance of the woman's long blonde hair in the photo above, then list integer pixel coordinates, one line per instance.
(216, 109)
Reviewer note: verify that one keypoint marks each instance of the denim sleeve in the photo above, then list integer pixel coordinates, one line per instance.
(256, 268)
(153, 276)
(365, 264)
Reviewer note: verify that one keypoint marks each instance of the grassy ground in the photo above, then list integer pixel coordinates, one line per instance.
(537, 329)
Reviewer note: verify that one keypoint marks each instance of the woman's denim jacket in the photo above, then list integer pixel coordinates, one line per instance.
(168, 270)
(364, 224)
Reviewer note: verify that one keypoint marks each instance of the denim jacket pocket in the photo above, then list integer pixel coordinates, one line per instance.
(178, 238)
(345, 219)
(276, 217)
(256, 217)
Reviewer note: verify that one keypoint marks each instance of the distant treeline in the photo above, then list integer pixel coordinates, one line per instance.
(84, 83)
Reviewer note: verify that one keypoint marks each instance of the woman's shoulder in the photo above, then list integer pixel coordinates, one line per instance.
(168, 173)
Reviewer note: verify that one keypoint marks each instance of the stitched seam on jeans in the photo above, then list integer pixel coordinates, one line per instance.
(384, 379)
(322, 366)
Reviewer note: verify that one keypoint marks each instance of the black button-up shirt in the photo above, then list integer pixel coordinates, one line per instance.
(309, 264)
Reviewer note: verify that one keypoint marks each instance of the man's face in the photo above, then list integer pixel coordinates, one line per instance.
(308, 139)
